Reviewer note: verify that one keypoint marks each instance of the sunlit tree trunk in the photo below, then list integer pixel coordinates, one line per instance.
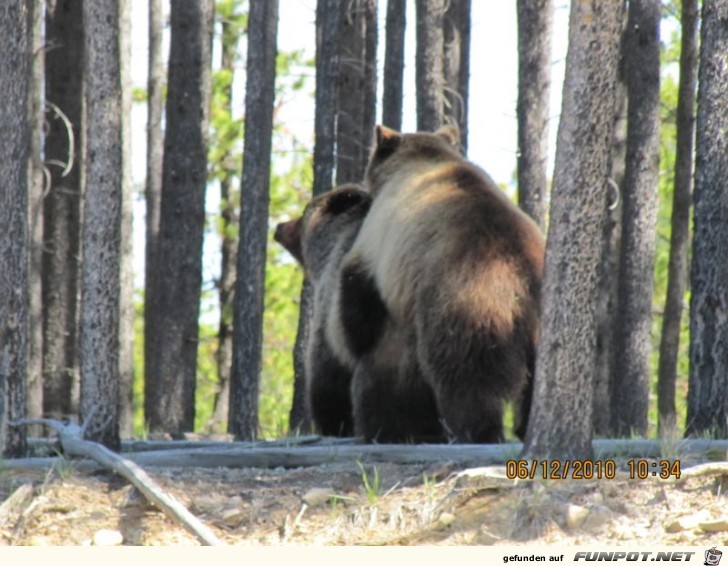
(560, 425)
(255, 200)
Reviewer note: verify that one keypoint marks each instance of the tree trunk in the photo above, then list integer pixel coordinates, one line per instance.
(255, 200)
(156, 85)
(677, 271)
(100, 287)
(35, 223)
(561, 419)
(535, 25)
(327, 72)
(15, 88)
(708, 387)
(230, 216)
(62, 208)
(456, 66)
(632, 345)
(429, 70)
(126, 306)
(174, 297)
(609, 268)
(357, 88)
(394, 64)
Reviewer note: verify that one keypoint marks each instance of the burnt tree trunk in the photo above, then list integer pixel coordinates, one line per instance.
(100, 286)
(677, 269)
(708, 386)
(62, 208)
(357, 88)
(327, 71)
(15, 88)
(394, 64)
(632, 345)
(535, 26)
(560, 423)
(456, 66)
(174, 297)
(156, 84)
(429, 66)
(255, 199)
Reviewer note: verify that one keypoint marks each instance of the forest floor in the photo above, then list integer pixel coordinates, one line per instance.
(365, 504)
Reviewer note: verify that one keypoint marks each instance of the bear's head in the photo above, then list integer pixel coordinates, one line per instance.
(394, 152)
(312, 237)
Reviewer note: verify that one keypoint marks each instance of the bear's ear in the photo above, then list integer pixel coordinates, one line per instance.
(387, 138)
(341, 200)
(288, 234)
(451, 134)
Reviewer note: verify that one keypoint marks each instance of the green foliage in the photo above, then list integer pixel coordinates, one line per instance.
(372, 485)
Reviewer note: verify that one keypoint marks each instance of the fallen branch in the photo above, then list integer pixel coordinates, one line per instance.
(244, 455)
(74, 445)
(15, 504)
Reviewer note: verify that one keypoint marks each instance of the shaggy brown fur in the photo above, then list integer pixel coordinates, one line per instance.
(318, 240)
(457, 266)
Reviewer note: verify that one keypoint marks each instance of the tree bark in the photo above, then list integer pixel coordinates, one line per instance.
(156, 84)
(174, 297)
(255, 200)
(708, 385)
(394, 64)
(15, 88)
(609, 269)
(535, 26)
(327, 71)
(357, 88)
(677, 271)
(632, 346)
(35, 221)
(561, 419)
(62, 208)
(100, 287)
(456, 66)
(429, 69)
(126, 306)
(230, 217)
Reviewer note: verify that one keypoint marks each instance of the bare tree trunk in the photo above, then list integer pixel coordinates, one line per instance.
(255, 200)
(632, 346)
(126, 306)
(15, 88)
(677, 271)
(708, 388)
(357, 88)
(174, 297)
(35, 223)
(535, 26)
(156, 85)
(560, 425)
(100, 287)
(456, 66)
(394, 64)
(327, 71)
(230, 242)
(429, 70)
(609, 269)
(62, 208)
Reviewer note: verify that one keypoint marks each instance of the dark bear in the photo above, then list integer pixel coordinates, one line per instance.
(458, 266)
(319, 240)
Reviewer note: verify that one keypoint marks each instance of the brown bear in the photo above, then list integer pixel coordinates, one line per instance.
(457, 265)
(318, 240)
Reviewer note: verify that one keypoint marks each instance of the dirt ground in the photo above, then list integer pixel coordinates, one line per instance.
(355, 504)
